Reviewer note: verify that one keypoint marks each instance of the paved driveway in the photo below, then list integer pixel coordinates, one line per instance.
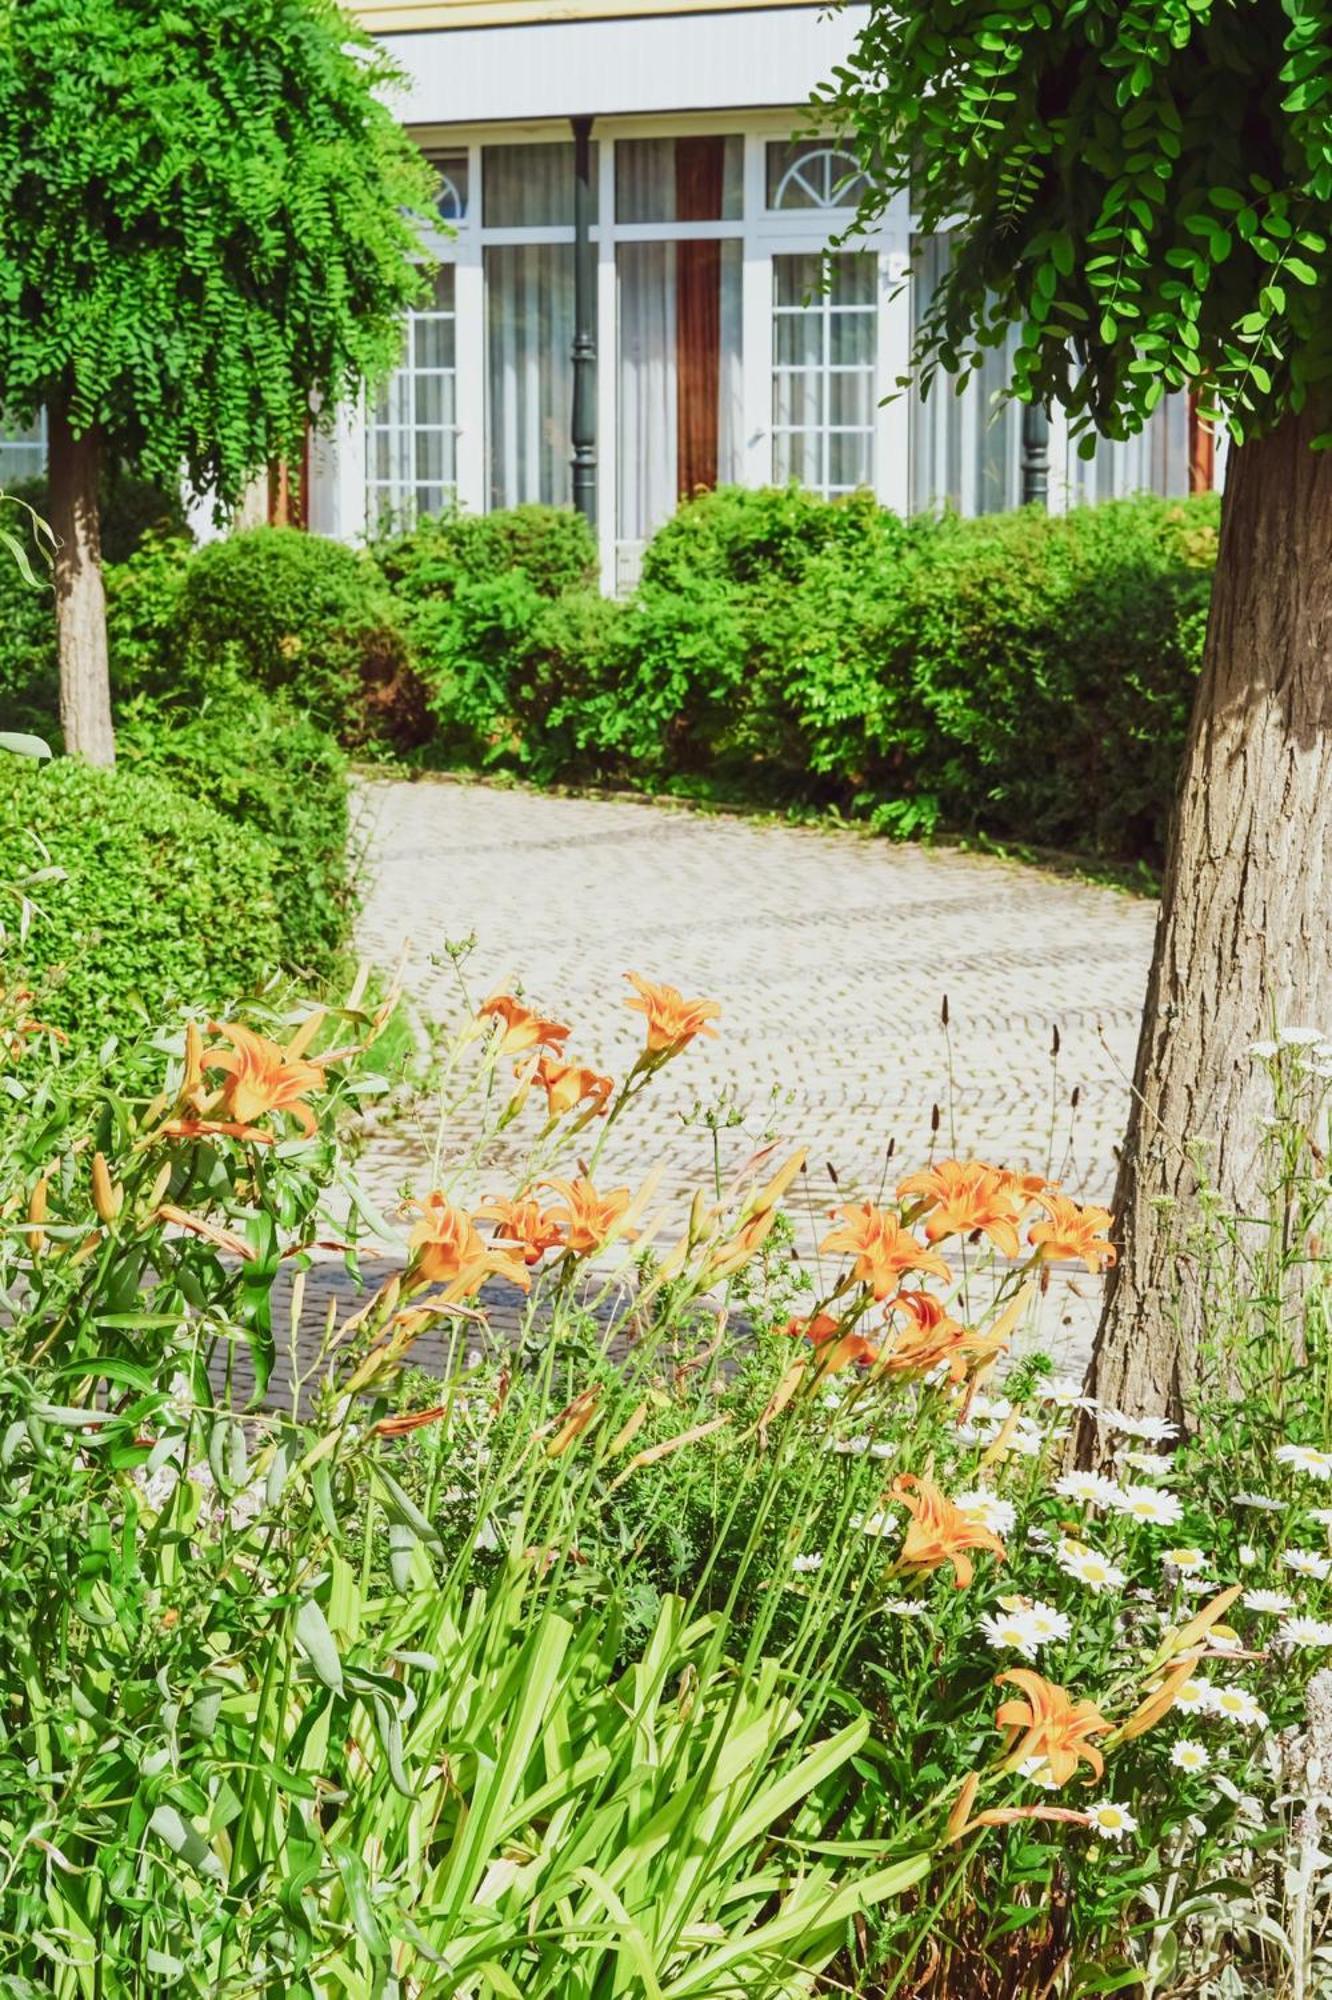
(831, 956)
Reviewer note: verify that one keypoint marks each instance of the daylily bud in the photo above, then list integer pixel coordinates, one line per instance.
(37, 1216)
(108, 1199)
(161, 1186)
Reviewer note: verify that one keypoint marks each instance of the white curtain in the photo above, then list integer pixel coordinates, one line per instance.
(529, 338)
(647, 469)
(966, 450)
(1155, 461)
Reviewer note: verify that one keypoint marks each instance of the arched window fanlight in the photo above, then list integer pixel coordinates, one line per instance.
(817, 175)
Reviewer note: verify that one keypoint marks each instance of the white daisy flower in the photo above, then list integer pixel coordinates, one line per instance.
(1187, 1560)
(880, 1524)
(1263, 1503)
(1270, 1602)
(1323, 1516)
(1000, 1516)
(1221, 1640)
(1262, 1051)
(1236, 1704)
(1304, 1632)
(1110, 1821)
(1150, 1504)
(1086, 1566)
(1036, 1770)
(1308, 1562)
(1305, 1458)
(907, 1607)
(1089, 1489)
(1151, 1462)
(1301, 1038)
(1067, 1396)
(991, 1408)
(803, 1565)
(1009, 1631)
(883, 1451)
(1194, 1696)
(1045, 1623)
(1187, 1755)
(1152, 1430)
(1248, 1555)
(856, 1447)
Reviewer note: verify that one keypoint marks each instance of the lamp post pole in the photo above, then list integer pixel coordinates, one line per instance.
(1035, 456)
(583, 429)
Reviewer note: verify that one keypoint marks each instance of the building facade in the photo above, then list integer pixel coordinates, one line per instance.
(669, 148)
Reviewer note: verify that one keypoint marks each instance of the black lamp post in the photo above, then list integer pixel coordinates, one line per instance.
(1035, 456)
(583, 429)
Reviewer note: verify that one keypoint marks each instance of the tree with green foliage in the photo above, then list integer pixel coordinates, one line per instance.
(1146, 191)
(206, 232)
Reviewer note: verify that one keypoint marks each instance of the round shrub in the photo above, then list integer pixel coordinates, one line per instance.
(552, 547)
(159, 901)
(311, 617)
(275, 772)
(1053, 662)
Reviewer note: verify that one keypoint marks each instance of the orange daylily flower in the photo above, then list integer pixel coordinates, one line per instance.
(959, 1196)
(1026, 1187)
(1072, 1233)
(524, 1224)
(569, 1084)
(672, 1021)
(522, 1028)
(833, 1350)
(939, 1532)
(261, 1077)
(20, 1025)
(446, 1250)
(1049, 1725)
(931, 1334)
(883, 1250)
(415, 1420)
(589, 1219)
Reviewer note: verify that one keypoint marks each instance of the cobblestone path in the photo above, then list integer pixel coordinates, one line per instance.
(831, 956)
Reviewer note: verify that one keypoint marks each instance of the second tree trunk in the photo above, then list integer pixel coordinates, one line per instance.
(1244, 939)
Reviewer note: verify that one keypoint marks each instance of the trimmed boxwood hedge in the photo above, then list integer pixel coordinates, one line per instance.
(158, 900)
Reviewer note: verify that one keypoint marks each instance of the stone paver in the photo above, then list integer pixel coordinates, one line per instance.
(831, 956)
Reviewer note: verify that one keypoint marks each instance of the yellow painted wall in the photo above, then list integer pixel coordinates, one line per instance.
(391, 17)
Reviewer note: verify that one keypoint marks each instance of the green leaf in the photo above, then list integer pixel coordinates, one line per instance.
(184, 1839)
(24, 745)
(317, 1644)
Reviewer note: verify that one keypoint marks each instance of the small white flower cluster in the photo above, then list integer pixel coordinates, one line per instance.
(1024, 1628)
(992, 1512)
(1227, 1704)
(1087, 1567)
(1141, 1503)
(1310, 1047)
(1304, 1458)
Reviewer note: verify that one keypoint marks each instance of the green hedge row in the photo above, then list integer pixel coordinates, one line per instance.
(1027, 674)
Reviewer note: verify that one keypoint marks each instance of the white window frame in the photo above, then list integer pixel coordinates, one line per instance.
(410, 372)
(762, 234)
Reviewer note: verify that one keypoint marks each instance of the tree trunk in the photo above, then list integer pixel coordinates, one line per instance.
(1244, 939)
(85, 679)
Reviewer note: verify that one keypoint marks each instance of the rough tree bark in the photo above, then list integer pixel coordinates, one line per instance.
(1244, 939)
(85, 679)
